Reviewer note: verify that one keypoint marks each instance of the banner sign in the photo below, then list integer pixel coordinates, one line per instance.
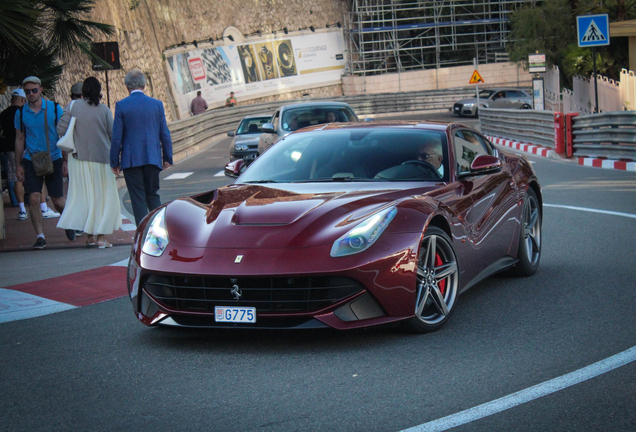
(536, 63)
(256, 68)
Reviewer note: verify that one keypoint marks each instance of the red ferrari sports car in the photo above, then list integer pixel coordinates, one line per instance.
(343, 225)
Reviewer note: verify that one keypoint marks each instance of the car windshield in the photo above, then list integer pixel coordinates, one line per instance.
(298, 118)
(353, 155)
(252, 125)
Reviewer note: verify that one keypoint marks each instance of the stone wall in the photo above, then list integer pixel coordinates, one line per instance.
(144, 28)
(494, 74)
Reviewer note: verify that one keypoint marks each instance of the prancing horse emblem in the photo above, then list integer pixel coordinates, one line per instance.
(235, 291)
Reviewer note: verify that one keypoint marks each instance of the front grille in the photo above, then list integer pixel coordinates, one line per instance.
(266, 294)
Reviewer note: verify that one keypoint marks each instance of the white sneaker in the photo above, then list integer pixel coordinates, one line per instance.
(22, 215)
(50, 214)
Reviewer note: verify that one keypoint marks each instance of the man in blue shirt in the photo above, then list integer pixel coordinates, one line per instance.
(33, 123)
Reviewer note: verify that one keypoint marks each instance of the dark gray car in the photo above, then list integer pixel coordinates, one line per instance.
(289, 118)
(245, 142)
(511, 98)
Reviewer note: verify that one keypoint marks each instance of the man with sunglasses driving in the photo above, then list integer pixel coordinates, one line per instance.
(35, 125)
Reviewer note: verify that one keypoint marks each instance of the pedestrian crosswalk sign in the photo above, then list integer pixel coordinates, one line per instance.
(476, 78)
(593, 30)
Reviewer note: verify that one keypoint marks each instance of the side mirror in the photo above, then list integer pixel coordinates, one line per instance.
(230, 133)
(485, 164)
(235, 169)
(268, 128)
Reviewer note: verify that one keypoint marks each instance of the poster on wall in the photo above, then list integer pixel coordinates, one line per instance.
(257, 68)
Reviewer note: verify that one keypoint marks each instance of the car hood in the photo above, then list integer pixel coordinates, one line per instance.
(285, 216)
(482, 101)
(247, 139)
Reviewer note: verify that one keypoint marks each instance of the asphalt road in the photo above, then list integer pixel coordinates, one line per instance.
(97, 368)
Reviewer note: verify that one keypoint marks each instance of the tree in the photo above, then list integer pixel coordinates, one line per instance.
(37, 36)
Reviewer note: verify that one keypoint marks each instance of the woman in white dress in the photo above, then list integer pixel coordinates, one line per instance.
(92, 204)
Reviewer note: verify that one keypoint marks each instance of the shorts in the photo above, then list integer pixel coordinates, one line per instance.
(9, 159)
(54, 182)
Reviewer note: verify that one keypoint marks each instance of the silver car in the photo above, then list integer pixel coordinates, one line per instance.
(494, 98)
(289, 118)
(246, 136)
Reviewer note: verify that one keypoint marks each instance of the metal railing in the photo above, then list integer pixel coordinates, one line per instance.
(203, 127)
(530, 126)
(607, 135)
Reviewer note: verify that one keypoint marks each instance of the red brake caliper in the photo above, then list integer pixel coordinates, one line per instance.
(442, 284)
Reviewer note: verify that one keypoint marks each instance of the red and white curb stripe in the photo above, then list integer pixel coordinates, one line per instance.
(608, 164)
(63, 293)
(525, 147)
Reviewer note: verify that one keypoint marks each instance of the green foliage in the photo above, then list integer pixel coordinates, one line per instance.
(551, 29)
(548, 29)
(36, 36)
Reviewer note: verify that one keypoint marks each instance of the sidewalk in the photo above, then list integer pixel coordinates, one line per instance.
(20, 235)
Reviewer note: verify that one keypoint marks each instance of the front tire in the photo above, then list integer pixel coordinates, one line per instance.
(437, 283)
(529, 251)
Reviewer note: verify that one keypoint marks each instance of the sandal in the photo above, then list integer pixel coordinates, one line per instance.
(104, 245)
(90, 241)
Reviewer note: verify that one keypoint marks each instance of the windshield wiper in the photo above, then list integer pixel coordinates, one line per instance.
(334, 179)
(261, 181)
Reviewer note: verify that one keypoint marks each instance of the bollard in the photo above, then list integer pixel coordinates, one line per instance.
(559, 133)
(569, 149)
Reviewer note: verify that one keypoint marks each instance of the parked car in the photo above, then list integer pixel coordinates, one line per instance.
(342, 226)
(245, 139)
(494, 98)
(289, 118)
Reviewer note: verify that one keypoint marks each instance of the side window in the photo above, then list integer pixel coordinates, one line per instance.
(513, 94)
(467, 147)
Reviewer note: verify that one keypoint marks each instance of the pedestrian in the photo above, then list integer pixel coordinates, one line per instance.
(141, 144)
(7, 151)
(92, 202)
(231, 101)
(76, 91)
(35, 125)
(198, 104)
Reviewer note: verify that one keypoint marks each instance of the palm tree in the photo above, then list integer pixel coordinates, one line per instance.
(37, 36)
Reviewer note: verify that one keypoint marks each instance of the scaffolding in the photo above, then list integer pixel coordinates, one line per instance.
(398, 35)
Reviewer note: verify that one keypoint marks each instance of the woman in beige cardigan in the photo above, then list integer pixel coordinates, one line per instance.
(92, 204)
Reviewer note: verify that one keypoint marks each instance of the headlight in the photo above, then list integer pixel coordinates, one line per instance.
(241, 147)
(468, 105)
(363, 235)
(157, 236)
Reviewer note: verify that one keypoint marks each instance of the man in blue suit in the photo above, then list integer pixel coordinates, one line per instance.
(141, 144)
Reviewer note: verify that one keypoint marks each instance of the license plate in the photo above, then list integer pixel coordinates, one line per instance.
(234, 314)
(456, 108)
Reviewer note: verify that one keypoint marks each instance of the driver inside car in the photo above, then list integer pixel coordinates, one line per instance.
(431, 152)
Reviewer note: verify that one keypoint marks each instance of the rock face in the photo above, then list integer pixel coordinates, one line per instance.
(144, 28)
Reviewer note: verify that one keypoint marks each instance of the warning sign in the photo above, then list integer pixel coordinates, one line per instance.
(476, 78)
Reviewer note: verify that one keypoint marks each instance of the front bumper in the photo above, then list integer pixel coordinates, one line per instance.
(378, 292)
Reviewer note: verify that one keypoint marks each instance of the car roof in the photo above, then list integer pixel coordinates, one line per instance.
(315, 104)
(390, 124)
(251, 116)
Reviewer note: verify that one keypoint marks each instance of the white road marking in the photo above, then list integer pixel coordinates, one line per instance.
(220, 173)
(178, 176)
(122, 263)
(613, 213)
(128, 227)
(529, 394)
(16, 305)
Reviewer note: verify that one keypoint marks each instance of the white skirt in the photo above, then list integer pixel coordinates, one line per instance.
(92, 202)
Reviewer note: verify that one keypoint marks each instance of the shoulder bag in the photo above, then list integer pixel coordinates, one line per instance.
(42, 162)
(66, 143)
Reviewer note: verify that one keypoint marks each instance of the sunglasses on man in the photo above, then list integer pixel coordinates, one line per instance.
(29, 91)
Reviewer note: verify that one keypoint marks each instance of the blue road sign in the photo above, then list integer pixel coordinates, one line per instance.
(593, 30)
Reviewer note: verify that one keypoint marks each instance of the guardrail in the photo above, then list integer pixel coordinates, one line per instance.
(201, 128)
(530, 126)
(607, 135)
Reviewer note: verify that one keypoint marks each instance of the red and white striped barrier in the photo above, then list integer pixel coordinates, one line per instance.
(608, 164)
(530, 148)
